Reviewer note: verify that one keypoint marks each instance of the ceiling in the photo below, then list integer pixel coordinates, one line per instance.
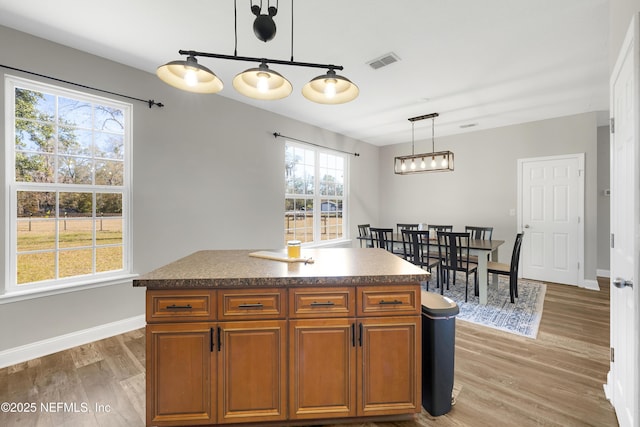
(487, 63)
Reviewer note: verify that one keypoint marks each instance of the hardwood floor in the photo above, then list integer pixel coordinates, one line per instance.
(501, 379)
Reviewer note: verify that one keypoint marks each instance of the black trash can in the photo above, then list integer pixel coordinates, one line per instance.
(438, 350)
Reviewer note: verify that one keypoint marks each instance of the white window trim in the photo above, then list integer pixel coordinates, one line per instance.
(345, 197)
(10, 291)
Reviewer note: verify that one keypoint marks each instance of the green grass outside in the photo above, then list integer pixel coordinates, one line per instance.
(40, 235)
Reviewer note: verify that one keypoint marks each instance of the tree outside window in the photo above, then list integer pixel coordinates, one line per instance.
(315, 199)
(69, 207)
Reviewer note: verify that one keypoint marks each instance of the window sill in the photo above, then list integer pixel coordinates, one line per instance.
(21, 295)
(333, 243)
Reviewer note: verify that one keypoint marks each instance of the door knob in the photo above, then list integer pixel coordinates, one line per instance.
(621, 283)
(527, 226)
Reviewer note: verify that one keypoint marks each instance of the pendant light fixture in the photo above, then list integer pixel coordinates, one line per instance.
(260, 82)
(440, 161)
(330, 88)
(190, 76)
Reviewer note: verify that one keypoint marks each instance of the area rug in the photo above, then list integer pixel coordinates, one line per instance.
(521, 318)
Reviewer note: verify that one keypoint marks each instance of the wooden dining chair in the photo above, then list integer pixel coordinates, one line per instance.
(416, 247)
(510, 270)
(365, 235)
(453, 249)
(382, 238)
(479, 233)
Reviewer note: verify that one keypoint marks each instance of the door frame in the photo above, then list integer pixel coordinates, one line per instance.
(582, 282)
(630, 44)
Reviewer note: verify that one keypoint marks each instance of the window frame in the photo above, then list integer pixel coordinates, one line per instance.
(11, 290)
(317, 197)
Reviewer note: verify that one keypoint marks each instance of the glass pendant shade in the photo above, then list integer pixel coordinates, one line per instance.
(330, 88)
(262, 83)
(190, 76)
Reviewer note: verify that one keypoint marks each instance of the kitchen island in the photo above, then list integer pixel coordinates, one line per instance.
(234, 339)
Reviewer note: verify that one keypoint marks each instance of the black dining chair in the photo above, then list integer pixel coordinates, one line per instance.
(365, 235)
(416, 247)
(440, 227)
(453, 249)
(510, 270)
(400, 227)
(382, 238)
(479, 233)
(434, 232)
(397, 247)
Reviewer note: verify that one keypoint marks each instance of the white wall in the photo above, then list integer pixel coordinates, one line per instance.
(207, 173)
(483, 187)
(620, 13)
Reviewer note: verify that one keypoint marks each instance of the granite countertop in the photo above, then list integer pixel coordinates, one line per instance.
(235, 268)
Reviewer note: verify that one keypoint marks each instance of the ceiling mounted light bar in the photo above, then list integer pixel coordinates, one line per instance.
(435, 161)
(259, 82)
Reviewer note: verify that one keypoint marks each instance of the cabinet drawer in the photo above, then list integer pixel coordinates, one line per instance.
(388, 300)
(180, 306)
(252, 303)
(322, 302)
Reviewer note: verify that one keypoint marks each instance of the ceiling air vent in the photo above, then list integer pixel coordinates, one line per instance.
(468, 125)
(383, 61)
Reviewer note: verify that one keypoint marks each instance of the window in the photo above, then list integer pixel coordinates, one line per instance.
(68, 186)
(315, 200)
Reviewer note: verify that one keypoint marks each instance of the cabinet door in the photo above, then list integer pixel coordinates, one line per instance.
(389, 358)
(252, 371)
(180, 364)
(322, 370)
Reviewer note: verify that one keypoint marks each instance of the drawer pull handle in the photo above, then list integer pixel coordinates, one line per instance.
(179, 307)
(256, 305)
(394, 302)
(322, 304)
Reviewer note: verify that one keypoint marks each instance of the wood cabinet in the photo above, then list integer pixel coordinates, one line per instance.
(283, 355)
(389, 373)
(180, 364)
(251, 371)
(322, 368)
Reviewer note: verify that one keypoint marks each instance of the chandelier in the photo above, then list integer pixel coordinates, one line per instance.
(260, 82)
(435, 161)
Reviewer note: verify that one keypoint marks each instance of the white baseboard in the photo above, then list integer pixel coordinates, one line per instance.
(603, 273)
(590, 284)
(607, 387)
(37, 349)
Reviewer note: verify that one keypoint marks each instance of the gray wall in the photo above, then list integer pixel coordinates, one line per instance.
(603, 199)
(482, 190)
(207, 173)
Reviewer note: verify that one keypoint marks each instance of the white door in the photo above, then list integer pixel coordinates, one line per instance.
(551, 216)
(622, 381)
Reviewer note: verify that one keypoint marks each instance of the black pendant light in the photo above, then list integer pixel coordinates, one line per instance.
(260, 82)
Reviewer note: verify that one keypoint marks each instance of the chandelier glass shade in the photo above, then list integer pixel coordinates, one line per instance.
(435, 161)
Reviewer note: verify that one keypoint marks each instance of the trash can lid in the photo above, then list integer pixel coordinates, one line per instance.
(437, 306)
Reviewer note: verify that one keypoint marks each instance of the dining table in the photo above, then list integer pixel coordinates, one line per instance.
(482, 249)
